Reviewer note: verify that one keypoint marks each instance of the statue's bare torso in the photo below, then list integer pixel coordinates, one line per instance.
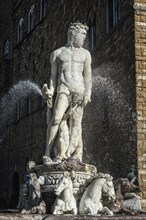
(70, 64)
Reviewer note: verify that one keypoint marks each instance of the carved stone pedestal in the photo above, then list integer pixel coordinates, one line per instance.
(51, 174)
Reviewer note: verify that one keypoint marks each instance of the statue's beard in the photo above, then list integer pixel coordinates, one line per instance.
(78, 42)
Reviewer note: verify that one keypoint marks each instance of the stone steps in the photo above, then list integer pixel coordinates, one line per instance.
(16, 216)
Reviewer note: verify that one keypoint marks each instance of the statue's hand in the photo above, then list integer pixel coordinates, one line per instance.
(86, 100)
(47, 93)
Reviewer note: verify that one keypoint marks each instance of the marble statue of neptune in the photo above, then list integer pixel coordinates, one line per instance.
(68, 93)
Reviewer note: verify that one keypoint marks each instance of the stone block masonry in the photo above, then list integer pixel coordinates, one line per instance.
(140, 57)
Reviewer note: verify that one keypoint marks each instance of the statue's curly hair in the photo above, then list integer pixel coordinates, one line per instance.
(75, 27)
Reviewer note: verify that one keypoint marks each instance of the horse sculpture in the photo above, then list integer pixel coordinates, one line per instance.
(90, 202)
(65, 201)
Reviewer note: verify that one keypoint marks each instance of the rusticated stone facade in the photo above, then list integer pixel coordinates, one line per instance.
(6, 36)
(109, 126)
(140, 59)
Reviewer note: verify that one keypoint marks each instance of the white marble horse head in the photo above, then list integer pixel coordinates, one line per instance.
(108, 187)
(64, 184)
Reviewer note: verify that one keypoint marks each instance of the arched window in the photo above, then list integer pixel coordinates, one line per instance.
(20, 30)
(7, 49)
(31, 18)
(28, 105)
(43, 8)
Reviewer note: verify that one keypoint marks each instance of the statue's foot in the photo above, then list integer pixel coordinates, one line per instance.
(24, 211)
(59, 159)
(47, 160)
(106, 211)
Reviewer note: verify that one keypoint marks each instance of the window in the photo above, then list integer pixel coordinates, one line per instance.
(28, 105)
(7, 74)
(92, 32)
(20, 30)
(31, 19)
(7, 49)
(18, 111)
(43, 8)
(7, 64)
(112, 13)
(92, 23)
(40, 102)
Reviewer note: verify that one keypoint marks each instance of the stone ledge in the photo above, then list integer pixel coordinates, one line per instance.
(69, 164)
(10, 216)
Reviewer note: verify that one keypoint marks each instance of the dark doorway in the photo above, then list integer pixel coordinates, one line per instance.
(15, 191)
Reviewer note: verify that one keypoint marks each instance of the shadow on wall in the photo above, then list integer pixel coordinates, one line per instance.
(3, 203)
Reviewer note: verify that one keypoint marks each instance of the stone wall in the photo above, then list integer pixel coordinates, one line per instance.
(6, 30)
(140, 58)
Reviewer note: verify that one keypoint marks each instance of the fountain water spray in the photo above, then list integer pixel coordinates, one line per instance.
(18, 92)
(113, 123)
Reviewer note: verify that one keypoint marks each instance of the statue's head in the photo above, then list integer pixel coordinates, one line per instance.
(77, 34)
(30, 165)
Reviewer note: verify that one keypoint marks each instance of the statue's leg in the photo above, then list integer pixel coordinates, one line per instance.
(63, 140)
(106, 211)
(60, 107)
(78, 153)
(90, 207)
(75, 211)
(76, 143)
(59, 207)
